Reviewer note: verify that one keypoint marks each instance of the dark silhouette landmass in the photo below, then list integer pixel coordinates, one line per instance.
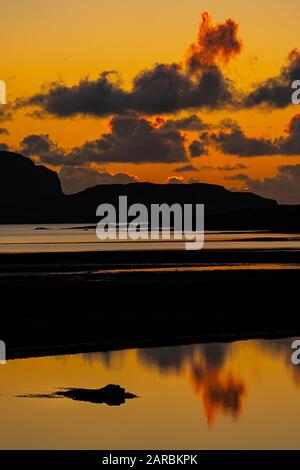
(21, 181)
(112, 395)
(31, 193)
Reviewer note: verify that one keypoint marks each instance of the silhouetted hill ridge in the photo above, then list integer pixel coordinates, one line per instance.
(31, 193)
(22, 180)
(217, 198)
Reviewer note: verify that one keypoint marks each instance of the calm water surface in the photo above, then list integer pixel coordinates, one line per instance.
(244, 395)
(79, 237)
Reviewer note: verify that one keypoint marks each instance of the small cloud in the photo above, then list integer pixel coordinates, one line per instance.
(175, 180)
(193, 181)
(238, 166)
(185, 169)
(197, 149)
(4, 147)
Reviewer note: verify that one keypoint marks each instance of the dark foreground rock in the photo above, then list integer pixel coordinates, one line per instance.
(112, 395)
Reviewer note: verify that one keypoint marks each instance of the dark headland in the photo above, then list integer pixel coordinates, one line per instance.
(59, 302)
(31, 193)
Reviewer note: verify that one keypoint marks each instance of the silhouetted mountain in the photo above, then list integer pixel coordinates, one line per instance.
(216, 198)
(32, 193)
(21, 180)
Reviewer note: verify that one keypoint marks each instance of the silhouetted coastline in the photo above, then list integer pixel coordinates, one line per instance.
(32, 193)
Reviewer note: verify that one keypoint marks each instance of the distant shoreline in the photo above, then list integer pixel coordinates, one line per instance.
(107, 259)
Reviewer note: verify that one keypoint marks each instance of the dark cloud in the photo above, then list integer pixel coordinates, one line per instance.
(284, 187)
(238, 166)
(276, 92)
(185, 168)
(137, 140)
(197, 148)
(189, 123)
(36, 144)
(167, 88)
(290, 145)
(5, 113)
(74, 172)
(234, 141)
(132, 140)
(4, 147)
(163, 88)
(100, 97)
(198, 82)
(75, 179)
(41, 146)
(3, 131)
(237, 177)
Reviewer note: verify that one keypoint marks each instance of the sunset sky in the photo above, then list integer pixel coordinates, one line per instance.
(52, 46)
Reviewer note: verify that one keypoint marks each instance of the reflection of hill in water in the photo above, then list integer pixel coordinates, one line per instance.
(209, 368)
(175, 358)
(203, 365)
(283, 348)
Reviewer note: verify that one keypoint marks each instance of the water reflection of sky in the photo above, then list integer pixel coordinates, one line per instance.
(206, 396)
(80, 238)
(206, 367)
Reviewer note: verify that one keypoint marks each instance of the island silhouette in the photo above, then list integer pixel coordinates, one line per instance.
(31, 193)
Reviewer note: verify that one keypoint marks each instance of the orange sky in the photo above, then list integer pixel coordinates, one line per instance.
(52, 40)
